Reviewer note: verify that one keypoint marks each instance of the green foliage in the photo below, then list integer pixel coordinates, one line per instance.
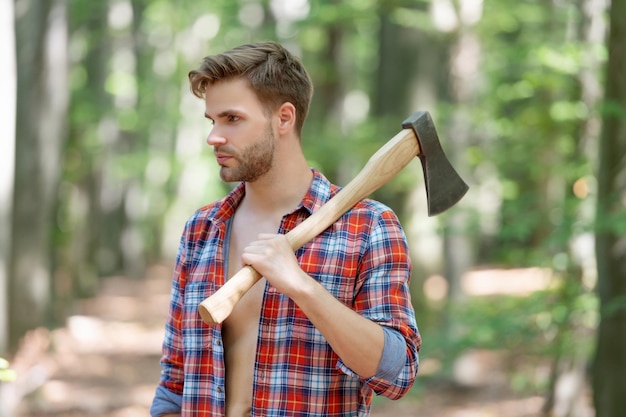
(528, 325)
(559, 322)
(532, 108)
(6, 373)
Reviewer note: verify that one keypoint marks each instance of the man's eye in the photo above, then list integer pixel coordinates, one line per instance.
(233, 118)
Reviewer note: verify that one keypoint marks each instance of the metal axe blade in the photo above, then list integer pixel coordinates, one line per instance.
(444, 186)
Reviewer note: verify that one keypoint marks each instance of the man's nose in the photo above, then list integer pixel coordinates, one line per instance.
(215, 137)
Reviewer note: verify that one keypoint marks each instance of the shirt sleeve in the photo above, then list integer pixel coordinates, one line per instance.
(393, 357)
(172, 374)
(165, 402)
(383, 296)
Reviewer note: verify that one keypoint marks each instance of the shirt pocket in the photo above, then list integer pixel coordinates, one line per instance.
(198, 288)
(197, 333)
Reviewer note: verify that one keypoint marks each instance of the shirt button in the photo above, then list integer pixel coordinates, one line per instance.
(219, 389)
(219, 343)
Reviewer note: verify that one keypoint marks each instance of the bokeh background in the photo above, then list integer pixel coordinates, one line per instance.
(520, 289)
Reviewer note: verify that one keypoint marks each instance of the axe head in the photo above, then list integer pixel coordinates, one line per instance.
(444, 186)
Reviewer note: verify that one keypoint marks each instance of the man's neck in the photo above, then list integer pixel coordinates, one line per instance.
(278, 192)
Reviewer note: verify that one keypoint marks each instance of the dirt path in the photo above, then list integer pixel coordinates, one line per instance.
(105, 363)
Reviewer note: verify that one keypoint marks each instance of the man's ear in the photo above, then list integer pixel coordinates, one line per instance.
(287, 117)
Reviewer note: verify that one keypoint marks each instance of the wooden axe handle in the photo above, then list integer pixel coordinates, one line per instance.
(381, 167)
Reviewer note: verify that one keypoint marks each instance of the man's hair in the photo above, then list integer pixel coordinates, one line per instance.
(274, 74)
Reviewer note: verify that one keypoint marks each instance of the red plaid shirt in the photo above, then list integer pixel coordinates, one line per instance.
(362, 260)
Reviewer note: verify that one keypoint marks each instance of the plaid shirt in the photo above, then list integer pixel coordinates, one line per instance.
(362, 260)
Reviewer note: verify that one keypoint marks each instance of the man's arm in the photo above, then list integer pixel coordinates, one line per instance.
(359, 341)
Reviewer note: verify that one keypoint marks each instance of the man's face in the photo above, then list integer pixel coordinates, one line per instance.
(242, 134)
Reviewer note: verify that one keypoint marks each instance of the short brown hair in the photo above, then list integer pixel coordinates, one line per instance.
(275, 75)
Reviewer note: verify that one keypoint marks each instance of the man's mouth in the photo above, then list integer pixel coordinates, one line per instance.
(222, 158)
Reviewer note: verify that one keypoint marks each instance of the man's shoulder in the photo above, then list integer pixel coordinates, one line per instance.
(375, 210)
(218, 210)
(368, 207)
(206, 212)
(373, 221)
(373, 205)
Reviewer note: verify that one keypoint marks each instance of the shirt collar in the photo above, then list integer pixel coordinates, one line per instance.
(319, 192)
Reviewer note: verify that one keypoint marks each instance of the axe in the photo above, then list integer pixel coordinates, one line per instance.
(444, 187)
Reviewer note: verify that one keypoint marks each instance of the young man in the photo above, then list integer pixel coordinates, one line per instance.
(325, 327)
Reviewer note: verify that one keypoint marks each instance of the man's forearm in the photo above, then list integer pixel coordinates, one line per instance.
(357, 340)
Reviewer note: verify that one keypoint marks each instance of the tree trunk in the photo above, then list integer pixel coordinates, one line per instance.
(569, 369)
(610, 361)
(85, 257)
(465, 59)
(7, 157)
(42, 100)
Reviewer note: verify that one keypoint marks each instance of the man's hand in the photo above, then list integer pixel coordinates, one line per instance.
(272, 256)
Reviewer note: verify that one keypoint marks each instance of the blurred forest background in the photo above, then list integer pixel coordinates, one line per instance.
(520, 288)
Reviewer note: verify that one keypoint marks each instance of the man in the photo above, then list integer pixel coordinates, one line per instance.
(325, 327)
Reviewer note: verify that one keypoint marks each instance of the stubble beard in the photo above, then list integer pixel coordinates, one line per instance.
(253, 162)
